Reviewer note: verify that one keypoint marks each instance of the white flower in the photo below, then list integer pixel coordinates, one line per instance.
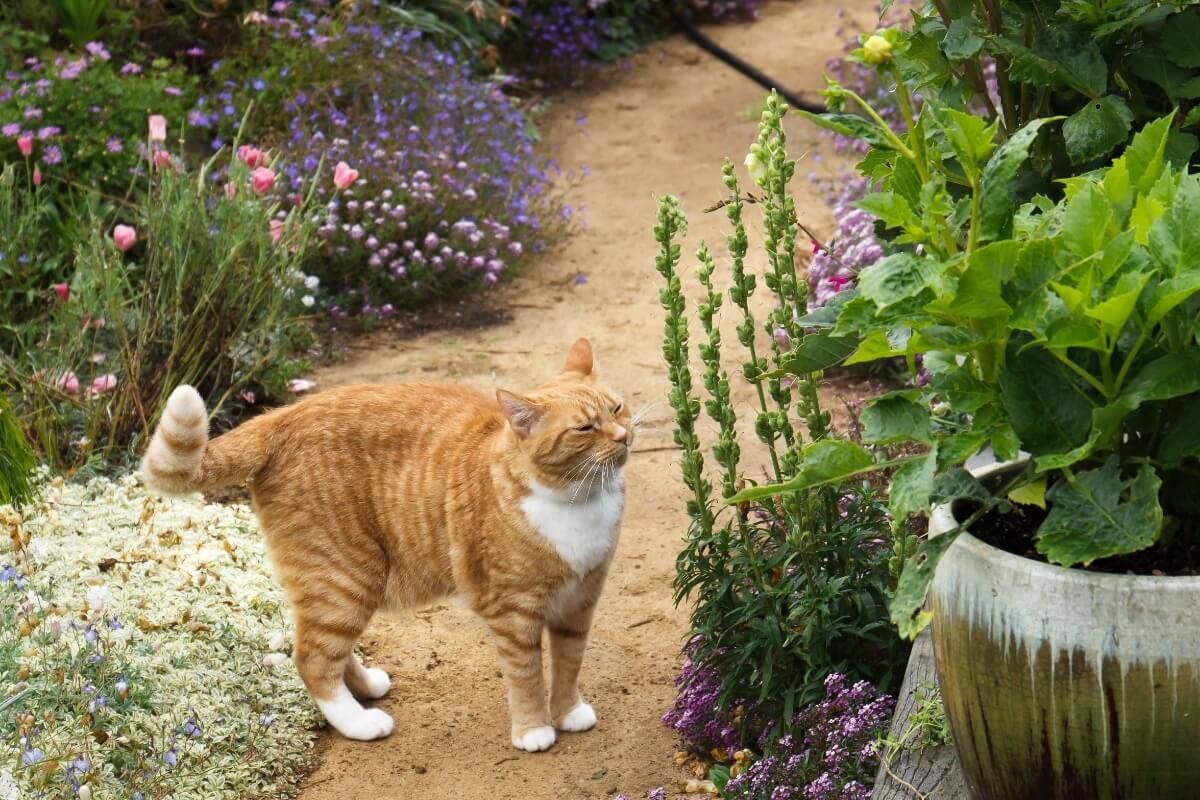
(85, 792)
(312, 282)
(98, 597)
(756, 168)
(300, 385)
(276, 641)
(308, 300)
(274, 659)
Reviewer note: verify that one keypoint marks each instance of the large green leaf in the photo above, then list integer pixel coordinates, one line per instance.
(979, 289)
(816, 352)
(1046, 411)
(824, 462)
(851, 125)
(1060, 57)
(1144, 156)
(970, 137)
(963, 391)
(895, 418)
(1182, 39)
(1097, 129)
(1095, 514)
(1183, 439)
(995, 193)
(957, 483)
(890, 207)
(1174, 240)
(960, 41)
(1178, 83)
(1087, 221)
(896, 277)
(908, 605)
(912, 486)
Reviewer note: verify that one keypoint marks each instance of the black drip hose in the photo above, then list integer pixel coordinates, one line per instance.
(750, 72)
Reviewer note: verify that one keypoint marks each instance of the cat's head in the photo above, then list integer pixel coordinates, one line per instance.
(574, 428)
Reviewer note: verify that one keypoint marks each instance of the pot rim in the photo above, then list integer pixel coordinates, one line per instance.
(942, 519)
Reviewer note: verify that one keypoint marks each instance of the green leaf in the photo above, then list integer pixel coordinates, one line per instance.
(890, 207)
(1169, 294)
(1045, 410)
(1097, 129)
(960, 42)
(1060, 57)
(908, 605)
(1095, 514)
(912, 486)
(1181, 35)
(1183, 439)
(1087, 221)
(851, 125)
(872, 348)
(1114, 312)
(1179, 84)
(995, 194)
(1030, 494)
(957, 483)
(895, 418)
(963, 391)
(979, 289)
(1173, 375)
(1174, 240)
(1144, 156)
(822, 462)
(969, 136)
(895, 278)
(816, 352)
(958, 447)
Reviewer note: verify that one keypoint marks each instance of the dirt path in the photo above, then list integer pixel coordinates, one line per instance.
(661, 126)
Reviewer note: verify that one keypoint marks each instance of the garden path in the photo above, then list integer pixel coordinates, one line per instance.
(661, 125)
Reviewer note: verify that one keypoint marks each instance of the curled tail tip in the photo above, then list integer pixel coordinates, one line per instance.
(177, 447)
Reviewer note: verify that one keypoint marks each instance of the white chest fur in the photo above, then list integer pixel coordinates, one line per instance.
(583, 529)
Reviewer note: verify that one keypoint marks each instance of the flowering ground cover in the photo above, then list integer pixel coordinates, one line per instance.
(147, 643)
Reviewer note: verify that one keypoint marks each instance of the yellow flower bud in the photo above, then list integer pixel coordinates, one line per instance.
(877, 50)
(757, 169)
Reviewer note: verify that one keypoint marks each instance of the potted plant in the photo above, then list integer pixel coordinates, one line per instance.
(1061, 333)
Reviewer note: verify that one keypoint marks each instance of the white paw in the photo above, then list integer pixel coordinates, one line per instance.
(351, 719)
(581, 718)
(377, 682)
(373, 723)
(535, 739)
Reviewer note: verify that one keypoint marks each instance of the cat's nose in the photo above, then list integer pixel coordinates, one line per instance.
(621, 434)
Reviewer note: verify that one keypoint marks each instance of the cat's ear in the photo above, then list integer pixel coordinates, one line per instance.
(523, 414)
(579, 360)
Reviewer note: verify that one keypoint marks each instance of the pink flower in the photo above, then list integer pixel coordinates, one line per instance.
(276, 227)
(37, 176)
(231, 190)
(262, 179)
(158, 128)
(838, 282)
(62, 290)
(162, 159)
(103, 383)
(124, 236)
(299, 385)
(248, 397)
(68, 382)
(343, 175)
(25, 145)
(252, 156)
(816, 246)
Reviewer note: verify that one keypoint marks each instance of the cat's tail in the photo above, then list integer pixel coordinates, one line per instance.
(181, 459)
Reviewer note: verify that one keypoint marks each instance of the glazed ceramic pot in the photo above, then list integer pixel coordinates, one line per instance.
(1063, 683)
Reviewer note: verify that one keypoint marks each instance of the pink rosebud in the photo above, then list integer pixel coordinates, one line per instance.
(343, 175)
(104, 383)
(276, 227)
(231, 190)
(300, 385)
(162, 159)
(124, 237)
(25, 145)
(262, 179)
(248, 397)
(252, 156)
(68, 382)
(297, 200)
(37, 176)
(62, 290)
(158, 128)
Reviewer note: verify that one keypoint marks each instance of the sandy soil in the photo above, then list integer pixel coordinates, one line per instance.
(661, 125)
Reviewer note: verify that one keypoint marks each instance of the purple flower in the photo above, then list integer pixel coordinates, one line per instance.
(97, 50)
(53, 155)
(131, 69)
(11, 129)
(195, 52)
(173, 91)
(114, 145)
(48, 132)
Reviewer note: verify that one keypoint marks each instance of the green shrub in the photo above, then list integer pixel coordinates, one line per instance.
(16, 459)
(204, 296)
(30, 262)
(784, 591)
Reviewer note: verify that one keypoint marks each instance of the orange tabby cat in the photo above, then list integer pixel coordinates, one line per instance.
(386, 497)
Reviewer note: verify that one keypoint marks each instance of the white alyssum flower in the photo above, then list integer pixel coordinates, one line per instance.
(99, 597)
(312, 282)
(277, 641)
(274, 659)
(308, 300)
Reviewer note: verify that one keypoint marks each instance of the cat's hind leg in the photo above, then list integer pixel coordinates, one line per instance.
(324, 652)
(368, 683)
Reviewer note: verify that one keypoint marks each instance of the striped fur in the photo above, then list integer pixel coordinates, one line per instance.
(375, 498)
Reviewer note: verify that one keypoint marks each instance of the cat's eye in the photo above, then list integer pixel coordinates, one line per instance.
(585, 428)
(619, 407)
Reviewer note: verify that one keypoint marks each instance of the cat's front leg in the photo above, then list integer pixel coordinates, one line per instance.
(568, 641)
(518, 640)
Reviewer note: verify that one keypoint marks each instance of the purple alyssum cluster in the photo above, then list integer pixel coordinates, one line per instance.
(833, 754)
(836, 263)
(695, 715)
